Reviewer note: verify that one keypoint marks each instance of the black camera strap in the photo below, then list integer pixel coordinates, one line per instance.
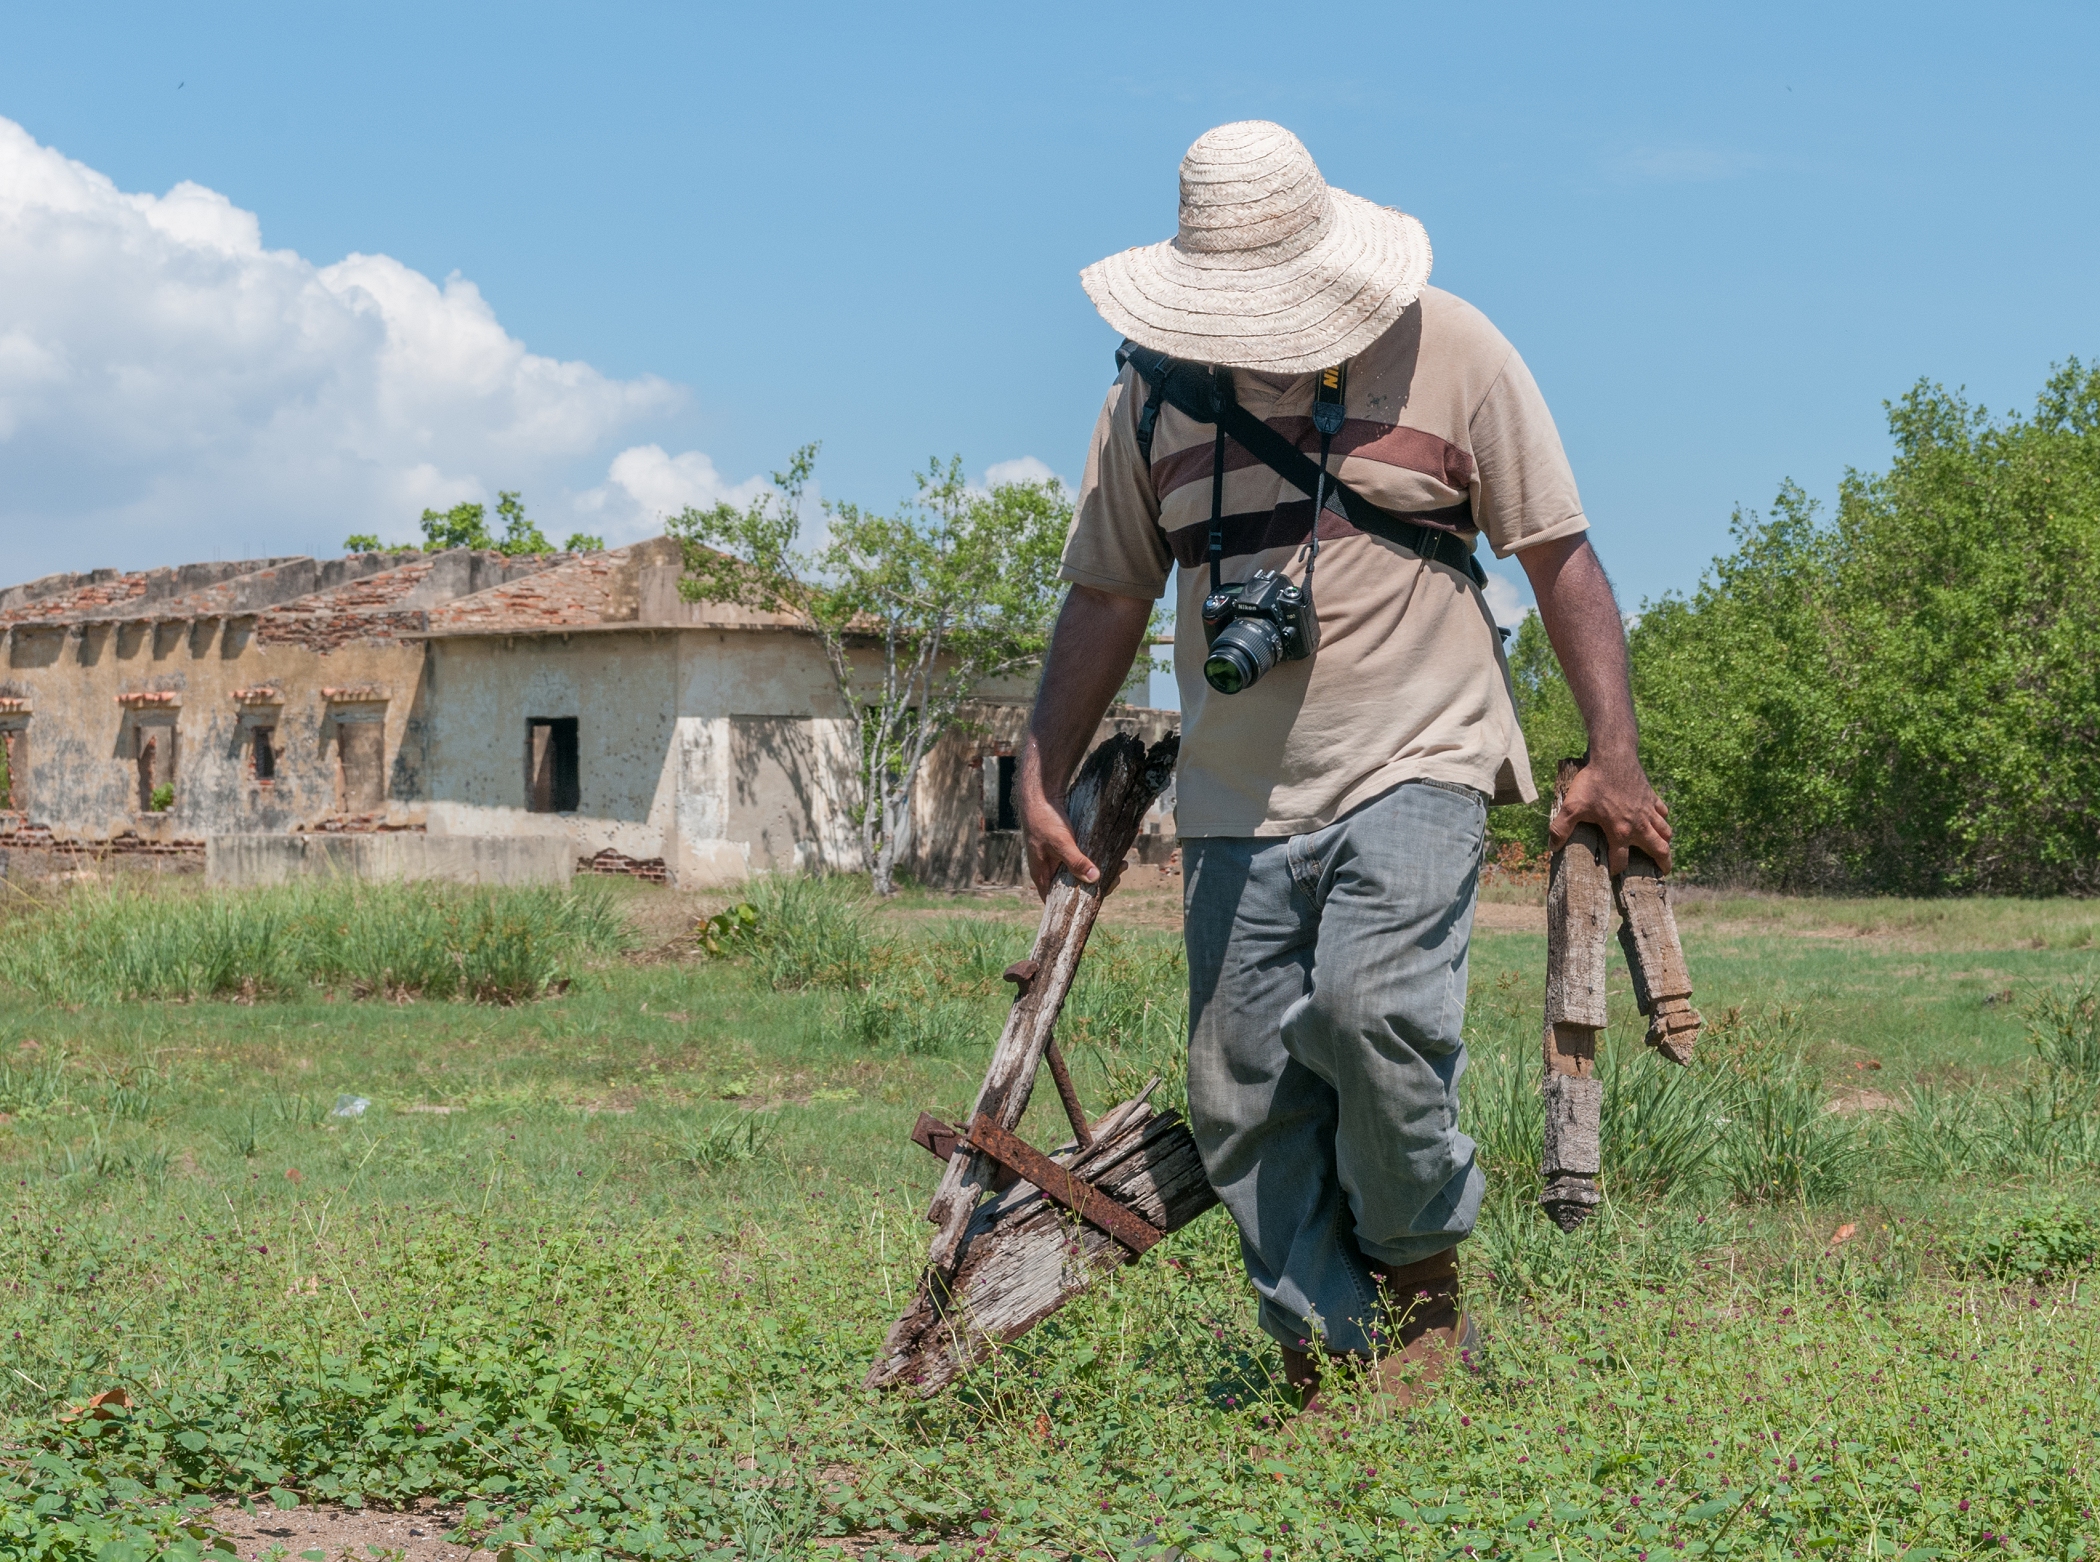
(1330, 401)
(1217, 513)
(1206, 395)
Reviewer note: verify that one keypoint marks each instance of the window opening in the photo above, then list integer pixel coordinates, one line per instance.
(262, 752)
(553, 775)
(360, 748)
(10, 759)
(154, 748)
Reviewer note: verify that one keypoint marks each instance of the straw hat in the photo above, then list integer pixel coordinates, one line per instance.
(1273, 268)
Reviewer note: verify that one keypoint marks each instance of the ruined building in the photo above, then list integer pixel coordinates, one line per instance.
(574, 696)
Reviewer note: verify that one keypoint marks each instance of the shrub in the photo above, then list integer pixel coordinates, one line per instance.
(2046, 1244)
(1890, 697)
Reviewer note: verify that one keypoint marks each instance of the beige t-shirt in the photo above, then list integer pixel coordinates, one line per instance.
(1409, 682)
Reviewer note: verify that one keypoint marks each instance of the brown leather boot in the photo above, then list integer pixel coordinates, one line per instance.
(1426, 1329)
(1302, 1373)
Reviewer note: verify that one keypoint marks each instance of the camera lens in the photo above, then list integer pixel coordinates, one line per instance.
(1244, 650)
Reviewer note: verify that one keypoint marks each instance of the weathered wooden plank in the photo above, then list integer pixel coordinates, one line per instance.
(1106, 805)
(1662, 982)
(1578, 931)
(1024, 1258)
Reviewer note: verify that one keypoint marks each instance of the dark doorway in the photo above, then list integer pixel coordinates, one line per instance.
(553, 776)
(1004, 817)
(262, 749)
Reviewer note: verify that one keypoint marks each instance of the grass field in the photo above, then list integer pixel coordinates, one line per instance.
(600, 1262)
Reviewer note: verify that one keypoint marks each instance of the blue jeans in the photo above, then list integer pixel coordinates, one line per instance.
(1327, 994)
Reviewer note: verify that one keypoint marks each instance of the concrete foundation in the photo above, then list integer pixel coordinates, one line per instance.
(241, 861)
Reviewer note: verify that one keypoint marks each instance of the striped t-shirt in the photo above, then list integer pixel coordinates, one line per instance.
(1444, 424)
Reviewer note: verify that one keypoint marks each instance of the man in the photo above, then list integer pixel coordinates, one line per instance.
(1331, 809)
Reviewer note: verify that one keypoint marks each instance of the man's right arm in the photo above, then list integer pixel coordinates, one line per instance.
(1097, 638)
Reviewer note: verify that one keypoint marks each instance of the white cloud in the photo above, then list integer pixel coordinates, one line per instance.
(646, 486)
(1506, 601)
(1022, 469)
(170, 389)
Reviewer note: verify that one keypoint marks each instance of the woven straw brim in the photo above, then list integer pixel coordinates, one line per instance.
(1288, 315)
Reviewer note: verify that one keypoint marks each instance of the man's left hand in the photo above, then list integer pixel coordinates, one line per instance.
(1617, 799)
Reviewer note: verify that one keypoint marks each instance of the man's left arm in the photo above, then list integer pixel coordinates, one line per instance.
(1582, 620)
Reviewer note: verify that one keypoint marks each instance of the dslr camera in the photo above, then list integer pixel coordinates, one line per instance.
(1252, 625)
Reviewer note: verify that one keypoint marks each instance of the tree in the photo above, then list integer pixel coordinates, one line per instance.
(363, 542)
(467, 526)
(914, 610)
(583, 542)
(1904, 697)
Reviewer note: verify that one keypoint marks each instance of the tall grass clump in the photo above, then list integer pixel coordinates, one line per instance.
(808, 932)
(2064, 1030)
(1660, 1123)
(1785, 1146)
(388, 940)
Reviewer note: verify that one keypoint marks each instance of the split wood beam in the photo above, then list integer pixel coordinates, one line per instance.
(1580, 898)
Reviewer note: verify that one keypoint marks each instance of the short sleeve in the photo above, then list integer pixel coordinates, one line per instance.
(1115, 544)
(1526, 493)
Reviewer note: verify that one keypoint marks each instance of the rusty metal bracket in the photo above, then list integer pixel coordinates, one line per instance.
(935, 1137)
(1076, 1194)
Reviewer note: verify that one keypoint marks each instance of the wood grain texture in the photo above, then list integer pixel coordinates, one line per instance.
(1578, 936)
(1662, 982)
(1578, 939)
(1106, 805)
(1023, 1257)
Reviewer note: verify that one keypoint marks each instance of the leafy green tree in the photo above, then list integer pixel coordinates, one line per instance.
(363, 542)
(583, 542)
(467, 526)
(462, 526)
(914, 610)
(1905, 697)
(521, 534)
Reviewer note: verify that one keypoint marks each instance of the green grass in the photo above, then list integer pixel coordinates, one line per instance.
(387, 940)
(618, 1294)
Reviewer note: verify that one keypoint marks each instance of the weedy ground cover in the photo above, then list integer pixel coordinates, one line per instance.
(605, 1267)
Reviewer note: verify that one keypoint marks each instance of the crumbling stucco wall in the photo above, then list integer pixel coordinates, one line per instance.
(84, 696)
(245, 861)
(620, 689)
(722, 752)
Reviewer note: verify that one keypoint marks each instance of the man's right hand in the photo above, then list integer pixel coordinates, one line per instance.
(1098, 636)
(1048, 830)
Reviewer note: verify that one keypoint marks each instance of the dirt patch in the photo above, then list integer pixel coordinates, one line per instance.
(1501, 917)
(411, 1536)
(1855, 1098)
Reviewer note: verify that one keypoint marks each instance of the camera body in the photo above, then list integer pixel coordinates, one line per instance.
(1252, 625)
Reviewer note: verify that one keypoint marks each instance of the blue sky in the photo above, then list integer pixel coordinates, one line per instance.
(1720, 238)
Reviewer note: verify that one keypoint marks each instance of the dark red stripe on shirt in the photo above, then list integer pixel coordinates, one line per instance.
(1286, 526)
(1411, 449)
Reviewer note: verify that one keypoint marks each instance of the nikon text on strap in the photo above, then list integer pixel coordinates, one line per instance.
(1206, 396)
